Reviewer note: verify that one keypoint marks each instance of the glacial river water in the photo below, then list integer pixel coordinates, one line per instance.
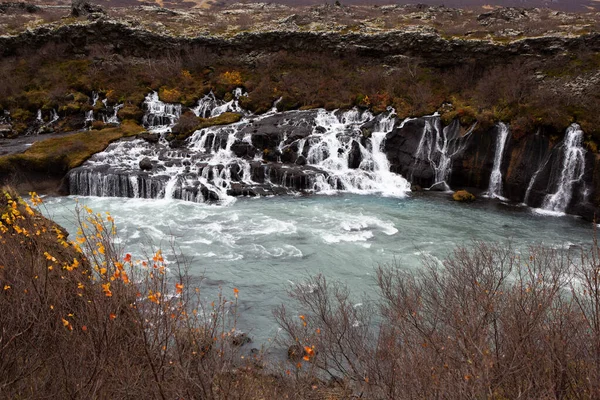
(265, 246)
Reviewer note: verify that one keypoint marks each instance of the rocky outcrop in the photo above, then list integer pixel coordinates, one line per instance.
(429, 47)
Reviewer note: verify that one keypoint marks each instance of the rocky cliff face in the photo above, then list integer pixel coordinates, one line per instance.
(429, 47)
(353, 151)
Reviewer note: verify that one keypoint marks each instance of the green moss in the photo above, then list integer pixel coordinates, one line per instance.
(223, 119)
(169, 95)
(463, 196)
(131, 112)
(59, 154)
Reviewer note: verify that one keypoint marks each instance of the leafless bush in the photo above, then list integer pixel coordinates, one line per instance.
(80, 319)
(487, 322)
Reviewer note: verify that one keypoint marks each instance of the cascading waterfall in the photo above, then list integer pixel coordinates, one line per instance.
(160, 116)
(438, 146)
(89, 117)
(209, 106)
(495, 186)
(573, 168)
(113, 118)
(95, 98)
(220, 162)
(339, 146)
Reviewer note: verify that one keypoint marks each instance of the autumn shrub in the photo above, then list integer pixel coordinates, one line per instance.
(487, 322)
(82, 319)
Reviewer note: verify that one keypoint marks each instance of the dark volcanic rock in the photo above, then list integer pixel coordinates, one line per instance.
(149, 137)
(243, 149)
(429, 47)
(355, 156)
(81, 8)
(401, 146)
(146, 164)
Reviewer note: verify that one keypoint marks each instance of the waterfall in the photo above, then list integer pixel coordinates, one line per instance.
(209, 106)
(438, 146)
(221, 162)
(89, 117)
(113, 118)
(95, 97)
(160, 116)
(53, 116)
(38, 117)
(572, 170)
(495, 186)
(534, 177)
(335, 147)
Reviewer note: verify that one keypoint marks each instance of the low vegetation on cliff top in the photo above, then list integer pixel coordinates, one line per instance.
(530, 93)
(84, 319)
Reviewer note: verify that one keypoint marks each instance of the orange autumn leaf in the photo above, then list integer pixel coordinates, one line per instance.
(154, 297)
(127, 258)
(235, 292)
(67, 324)
(112, 316)
(179, 288)
(106, 289)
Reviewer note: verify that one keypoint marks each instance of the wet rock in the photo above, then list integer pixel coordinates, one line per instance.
(149, 137)
(301, 160)
(146, 164)
(271, 155)
(320, 129)
(288, 155)
(243, 149)
(355, 156)
(209, 195)
(177, 143)
(439, 187)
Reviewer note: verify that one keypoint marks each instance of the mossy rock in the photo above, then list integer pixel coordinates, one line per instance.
(130, 111)
(184, 130)
(169, 95)
(463, 196)
(59, 154)
(20, 115)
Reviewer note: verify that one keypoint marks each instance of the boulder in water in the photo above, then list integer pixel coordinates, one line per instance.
(301, 160)
(146, 164)
(288, 155)
(463, 196)
(440, 187)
